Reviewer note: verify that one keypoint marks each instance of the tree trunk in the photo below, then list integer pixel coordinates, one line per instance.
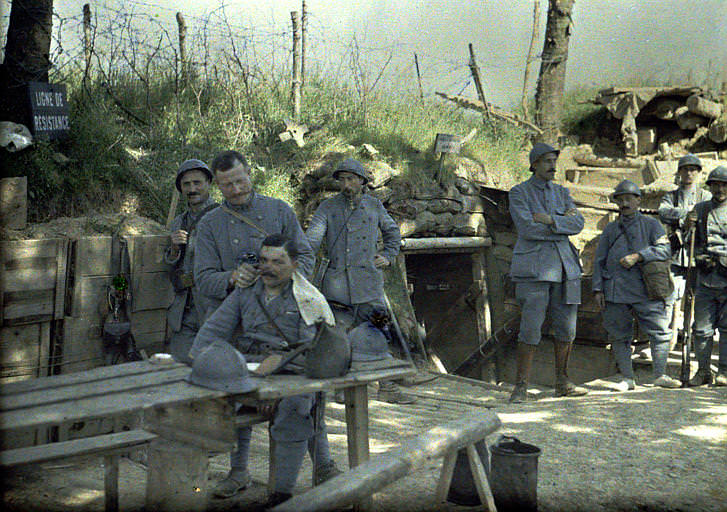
(27, 56)
(551, 79)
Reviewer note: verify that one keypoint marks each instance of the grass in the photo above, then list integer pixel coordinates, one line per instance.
(129, 135)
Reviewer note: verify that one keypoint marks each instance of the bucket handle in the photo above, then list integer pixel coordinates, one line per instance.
(504, 437)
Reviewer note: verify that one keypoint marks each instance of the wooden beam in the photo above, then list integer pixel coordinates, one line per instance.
(368, 478)
(455, 243)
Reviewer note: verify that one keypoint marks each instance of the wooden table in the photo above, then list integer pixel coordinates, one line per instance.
(191, 421)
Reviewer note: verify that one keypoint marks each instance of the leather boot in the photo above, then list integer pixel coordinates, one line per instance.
(563, 387)
(524, 359)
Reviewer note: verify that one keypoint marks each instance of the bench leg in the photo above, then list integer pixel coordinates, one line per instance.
(480, 479)
(111, 483)
(357, 431)
(445, 478)
(271, 463)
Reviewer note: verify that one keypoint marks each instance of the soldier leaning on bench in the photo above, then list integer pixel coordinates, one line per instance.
(545, 268)
(229, 239)
(186, 313)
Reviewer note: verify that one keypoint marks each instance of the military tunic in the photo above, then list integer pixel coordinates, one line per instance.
(187, 309)
(673, 210)
(710, 301)
(292, 426)
(351, 233)
(625, 291)
(545, 265)
(223, 241)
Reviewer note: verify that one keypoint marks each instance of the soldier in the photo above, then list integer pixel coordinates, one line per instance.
(251, 309)
(545, 268)
(673, 211)
(186, 313)
(350, 223)
(710, 300)
(228, 241)
(619, 288)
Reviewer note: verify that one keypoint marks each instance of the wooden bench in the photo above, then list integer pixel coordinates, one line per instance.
(108, 445)
(446, 440)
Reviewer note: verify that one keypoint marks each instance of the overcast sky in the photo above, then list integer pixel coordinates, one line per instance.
(613, 41)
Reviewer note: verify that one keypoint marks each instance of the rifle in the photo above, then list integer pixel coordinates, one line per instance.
(404, 344)
(688, 308)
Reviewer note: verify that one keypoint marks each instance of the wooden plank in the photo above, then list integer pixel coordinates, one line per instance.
(152, 290)
(21, 249)
(209, 424)
(382, 470)
(83, 390)
(149, 250)
(61, 278)
(82, 345)
(76, 448)
(44, 362)
(111, 483)
(445, 477)
(14, 202)
(480, 478)
(88, 294)
(93, 256)
(449, 244)
(20, 349)
(90, 377)
(29, 306)
(357, 433)
(33, 278)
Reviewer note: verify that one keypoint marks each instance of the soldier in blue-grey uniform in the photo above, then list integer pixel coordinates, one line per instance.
(228, 242)
(250, 310)
(350, 223)
(710, 300)
(229, 237)
(673, 210)
(545, 268)
(186, 313)
(619, 288)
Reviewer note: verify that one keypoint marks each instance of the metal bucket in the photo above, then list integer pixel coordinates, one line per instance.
(514, 475)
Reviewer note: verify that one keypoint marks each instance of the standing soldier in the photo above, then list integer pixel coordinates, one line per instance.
(186, 313)
(350, 223)
(710, 300)
(619, 287)
(545, 268)
(228, 246)
(673, 211)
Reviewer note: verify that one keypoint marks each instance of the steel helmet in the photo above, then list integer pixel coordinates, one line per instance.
(368, 343)
(192, 165)
(352, 166)
(719, 173)
(540, 149)
(689, 159)
(627, 187)
(219, 366)
(330, 354)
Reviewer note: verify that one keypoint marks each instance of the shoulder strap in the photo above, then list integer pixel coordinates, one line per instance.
(272, 321)
(244, 219)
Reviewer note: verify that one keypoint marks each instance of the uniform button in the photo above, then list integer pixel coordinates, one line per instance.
(232, 222)
(235, 241)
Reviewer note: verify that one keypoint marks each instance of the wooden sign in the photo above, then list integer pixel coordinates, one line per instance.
(48, 110)
(445, 143)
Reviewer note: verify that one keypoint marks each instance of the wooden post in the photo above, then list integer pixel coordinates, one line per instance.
(182, 28)
(478, 84)
(295, 19)
(111, 483)
(529, 60)
(87, 42)
(357, 431)
(419, 78)
(303, 30)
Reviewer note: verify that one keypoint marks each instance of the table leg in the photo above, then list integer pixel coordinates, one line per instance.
(357, 431)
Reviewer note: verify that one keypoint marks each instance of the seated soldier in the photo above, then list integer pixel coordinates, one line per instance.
(270, 319)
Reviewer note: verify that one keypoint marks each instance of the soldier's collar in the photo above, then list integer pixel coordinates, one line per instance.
(242, 207)
(540, 183)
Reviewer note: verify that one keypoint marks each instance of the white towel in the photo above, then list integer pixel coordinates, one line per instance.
(312, 304)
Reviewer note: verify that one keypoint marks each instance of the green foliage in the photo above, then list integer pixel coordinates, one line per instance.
(580, 117)
(129, 133)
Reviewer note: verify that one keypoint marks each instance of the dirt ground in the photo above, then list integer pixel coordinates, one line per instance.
(650, 449)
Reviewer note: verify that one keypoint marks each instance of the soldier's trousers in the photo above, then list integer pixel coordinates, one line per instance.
(293, 431)
(181, 341)
(710, 314)
(619, 323)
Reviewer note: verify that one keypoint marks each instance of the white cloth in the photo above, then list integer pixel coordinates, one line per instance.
(312, 305)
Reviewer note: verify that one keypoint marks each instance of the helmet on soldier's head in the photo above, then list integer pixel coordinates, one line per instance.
(192, 165)
(719, 173)
(689, 159)
(352, 166)
(540, 149)
(219, 366)
(627, 187)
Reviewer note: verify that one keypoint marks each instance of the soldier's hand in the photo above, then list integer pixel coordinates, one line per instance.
(267, 407)
(244, 276)
(571, 212)
(630, 260)
(600, 300)
(380, 261)
(690, 220)
(543, 218)
(179, 237)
